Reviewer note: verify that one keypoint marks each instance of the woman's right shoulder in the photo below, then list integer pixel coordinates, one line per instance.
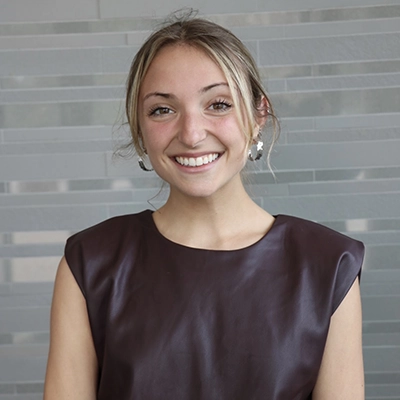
(108, 236)
(96, 252)
(111, 228)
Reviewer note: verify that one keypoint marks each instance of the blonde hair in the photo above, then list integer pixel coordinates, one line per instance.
(226, 50)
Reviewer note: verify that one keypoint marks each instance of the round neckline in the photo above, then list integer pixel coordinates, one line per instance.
(250, 246)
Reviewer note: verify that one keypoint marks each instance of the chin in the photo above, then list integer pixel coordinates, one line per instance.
(197, 191)
(198, 194)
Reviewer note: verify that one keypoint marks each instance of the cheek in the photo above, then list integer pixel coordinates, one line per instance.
(231, 134)
(155, 138)
(151, 143)
(148, 133)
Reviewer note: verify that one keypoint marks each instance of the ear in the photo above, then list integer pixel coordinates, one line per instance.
(263, 112)
(256, 133)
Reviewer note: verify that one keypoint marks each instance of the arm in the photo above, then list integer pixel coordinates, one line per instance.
(72, 364)
(341, 376)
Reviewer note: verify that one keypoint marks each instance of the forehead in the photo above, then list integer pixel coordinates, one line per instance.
(182, 65)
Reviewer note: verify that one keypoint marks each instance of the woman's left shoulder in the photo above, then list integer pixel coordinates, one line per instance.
(332, 260)
(312, 235)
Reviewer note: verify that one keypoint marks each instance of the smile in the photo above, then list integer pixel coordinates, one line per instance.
(196, 161)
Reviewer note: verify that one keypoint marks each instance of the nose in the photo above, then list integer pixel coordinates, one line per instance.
(191, 130)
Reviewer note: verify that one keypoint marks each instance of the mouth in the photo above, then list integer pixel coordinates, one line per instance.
(197, 161)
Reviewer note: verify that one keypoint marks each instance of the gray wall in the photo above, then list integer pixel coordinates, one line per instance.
(333, 70)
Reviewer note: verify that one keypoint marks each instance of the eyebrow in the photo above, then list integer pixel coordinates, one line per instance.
(170, 96)
(212, 86)
(159, 94)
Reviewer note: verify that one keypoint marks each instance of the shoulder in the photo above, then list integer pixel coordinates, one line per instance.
(111, 232)
(328, 260)
(101, 249)
(306, 235)
(115, 225)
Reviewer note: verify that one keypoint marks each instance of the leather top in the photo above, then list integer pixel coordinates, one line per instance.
(171, 322)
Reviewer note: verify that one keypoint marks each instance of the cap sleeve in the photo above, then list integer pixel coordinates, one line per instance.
(348, 270)
(74, 257)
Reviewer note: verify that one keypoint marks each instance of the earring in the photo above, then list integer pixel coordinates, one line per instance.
(259, 146)
(143, 166)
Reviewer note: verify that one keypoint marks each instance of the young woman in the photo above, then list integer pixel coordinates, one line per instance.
(208, 297)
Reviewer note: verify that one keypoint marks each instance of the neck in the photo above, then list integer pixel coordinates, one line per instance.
(215, 222)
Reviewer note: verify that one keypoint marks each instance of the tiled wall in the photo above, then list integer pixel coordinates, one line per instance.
(333, 70)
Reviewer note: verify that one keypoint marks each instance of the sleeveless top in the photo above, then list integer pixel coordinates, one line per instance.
(170, 322)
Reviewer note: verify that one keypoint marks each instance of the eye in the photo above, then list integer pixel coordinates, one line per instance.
(221, 105)
(158, 111)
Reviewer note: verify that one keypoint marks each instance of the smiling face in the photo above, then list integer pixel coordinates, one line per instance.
(189, 124)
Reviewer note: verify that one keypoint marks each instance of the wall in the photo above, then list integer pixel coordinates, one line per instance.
(333, 71)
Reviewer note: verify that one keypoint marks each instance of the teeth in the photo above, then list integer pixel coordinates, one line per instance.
(198, 161)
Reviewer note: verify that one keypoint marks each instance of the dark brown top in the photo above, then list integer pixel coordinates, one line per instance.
(171, 322)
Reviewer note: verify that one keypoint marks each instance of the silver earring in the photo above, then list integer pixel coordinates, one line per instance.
(259, 146)
(142, 165)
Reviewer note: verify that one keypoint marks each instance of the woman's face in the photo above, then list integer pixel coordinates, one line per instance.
(189, 125)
